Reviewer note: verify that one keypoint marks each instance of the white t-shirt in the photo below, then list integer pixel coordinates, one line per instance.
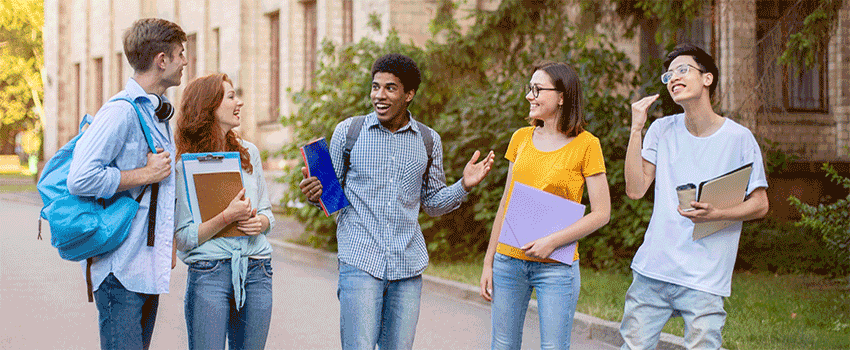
(668, 252)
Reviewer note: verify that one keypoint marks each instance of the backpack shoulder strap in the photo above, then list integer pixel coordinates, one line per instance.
(145, 129)
(350, 138)
(428, 140)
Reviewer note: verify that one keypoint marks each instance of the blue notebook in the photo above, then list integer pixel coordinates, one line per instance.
(319, 164)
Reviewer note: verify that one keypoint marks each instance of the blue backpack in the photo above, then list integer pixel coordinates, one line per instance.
(85, 227)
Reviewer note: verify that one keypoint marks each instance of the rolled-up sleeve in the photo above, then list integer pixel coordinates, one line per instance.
(93, 171)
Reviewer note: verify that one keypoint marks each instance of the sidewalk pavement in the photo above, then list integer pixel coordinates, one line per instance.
(288, 229)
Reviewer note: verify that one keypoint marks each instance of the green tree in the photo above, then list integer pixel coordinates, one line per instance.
(22, 58)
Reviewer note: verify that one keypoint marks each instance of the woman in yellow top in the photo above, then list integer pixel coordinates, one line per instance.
(555, 155)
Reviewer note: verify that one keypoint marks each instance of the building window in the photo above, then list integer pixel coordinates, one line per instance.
(310, 44)
(786, 87)
(347, 21)
(97, 101)
(192, 56)
(119, 72)
(274, 66)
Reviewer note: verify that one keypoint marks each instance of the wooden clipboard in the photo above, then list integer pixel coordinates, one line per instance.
(724, 191)
(212, 181)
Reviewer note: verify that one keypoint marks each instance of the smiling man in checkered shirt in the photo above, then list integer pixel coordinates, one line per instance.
(382, 252)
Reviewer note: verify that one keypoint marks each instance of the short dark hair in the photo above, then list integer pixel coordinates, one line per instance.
(402, 67)
(147, 37)
(702, 58)
(571, 122)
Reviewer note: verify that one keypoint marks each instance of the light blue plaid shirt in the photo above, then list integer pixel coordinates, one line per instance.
(379, 232)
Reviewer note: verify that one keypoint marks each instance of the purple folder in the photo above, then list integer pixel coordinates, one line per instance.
(534, 213)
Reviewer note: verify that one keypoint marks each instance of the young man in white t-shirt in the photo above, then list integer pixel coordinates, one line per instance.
(675, 275)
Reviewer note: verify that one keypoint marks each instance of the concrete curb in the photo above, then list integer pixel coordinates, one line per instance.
(605, 331)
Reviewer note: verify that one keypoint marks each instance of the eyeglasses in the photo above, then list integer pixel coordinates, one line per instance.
(535, 90)
(680, 71)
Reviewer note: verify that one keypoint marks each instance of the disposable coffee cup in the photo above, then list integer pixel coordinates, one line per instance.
(687, 194)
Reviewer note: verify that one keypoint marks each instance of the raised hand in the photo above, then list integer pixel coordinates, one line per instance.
(473, 172)
(639, 110)
(310, 186)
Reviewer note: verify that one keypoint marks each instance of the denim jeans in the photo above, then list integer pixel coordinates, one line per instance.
(126, 318)
(650, 303)
(557, 286)
(375, 311)
(210, 307)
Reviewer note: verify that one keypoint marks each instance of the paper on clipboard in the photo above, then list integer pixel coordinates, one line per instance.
(533, 213)
(212, 181)
(724, 191)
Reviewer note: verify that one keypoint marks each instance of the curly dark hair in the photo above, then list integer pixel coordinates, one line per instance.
(402, 67)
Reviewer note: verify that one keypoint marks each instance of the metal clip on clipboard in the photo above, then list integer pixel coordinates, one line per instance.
(210, 158)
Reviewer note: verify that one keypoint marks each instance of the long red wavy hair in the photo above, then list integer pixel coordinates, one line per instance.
(198, 129)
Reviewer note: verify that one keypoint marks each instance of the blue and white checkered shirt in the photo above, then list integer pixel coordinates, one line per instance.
(379, 232)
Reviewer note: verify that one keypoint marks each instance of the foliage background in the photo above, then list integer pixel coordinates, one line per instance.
(21, 59)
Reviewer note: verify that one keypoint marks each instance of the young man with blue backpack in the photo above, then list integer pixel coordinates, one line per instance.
(112, 156)
(389, 165)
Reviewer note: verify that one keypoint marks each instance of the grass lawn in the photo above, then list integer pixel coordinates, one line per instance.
(765, 311)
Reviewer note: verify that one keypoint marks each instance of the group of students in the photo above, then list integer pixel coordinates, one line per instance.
(389, 176)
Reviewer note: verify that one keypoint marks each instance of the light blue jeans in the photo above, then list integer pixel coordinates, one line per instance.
(557, 286)
(650, 303)
(375, 311)
(126, 318)
(211, 315)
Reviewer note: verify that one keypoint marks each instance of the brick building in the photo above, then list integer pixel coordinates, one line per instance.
(268, 47)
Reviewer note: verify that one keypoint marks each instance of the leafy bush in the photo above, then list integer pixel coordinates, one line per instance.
(831, 221)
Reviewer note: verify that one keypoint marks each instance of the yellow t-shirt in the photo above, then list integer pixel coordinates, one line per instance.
(560, 172)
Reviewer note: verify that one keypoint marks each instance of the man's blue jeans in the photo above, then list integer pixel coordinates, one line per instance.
(210, 307)
(650, 303)
(126, 318)
(557, 287)
(375, 311)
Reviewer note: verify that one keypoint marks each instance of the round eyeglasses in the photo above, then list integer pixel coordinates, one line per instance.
(680, 71)
(535, 90)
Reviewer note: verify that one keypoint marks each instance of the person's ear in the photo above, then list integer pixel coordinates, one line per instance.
(160, 60)
(708, 78)
(409, 95)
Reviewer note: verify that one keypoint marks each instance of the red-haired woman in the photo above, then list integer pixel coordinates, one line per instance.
(229, 288)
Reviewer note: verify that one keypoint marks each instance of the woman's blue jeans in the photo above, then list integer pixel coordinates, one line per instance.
(211, 314)
(557, 287)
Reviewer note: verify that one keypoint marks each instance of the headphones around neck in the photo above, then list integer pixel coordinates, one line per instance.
(162, 109)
